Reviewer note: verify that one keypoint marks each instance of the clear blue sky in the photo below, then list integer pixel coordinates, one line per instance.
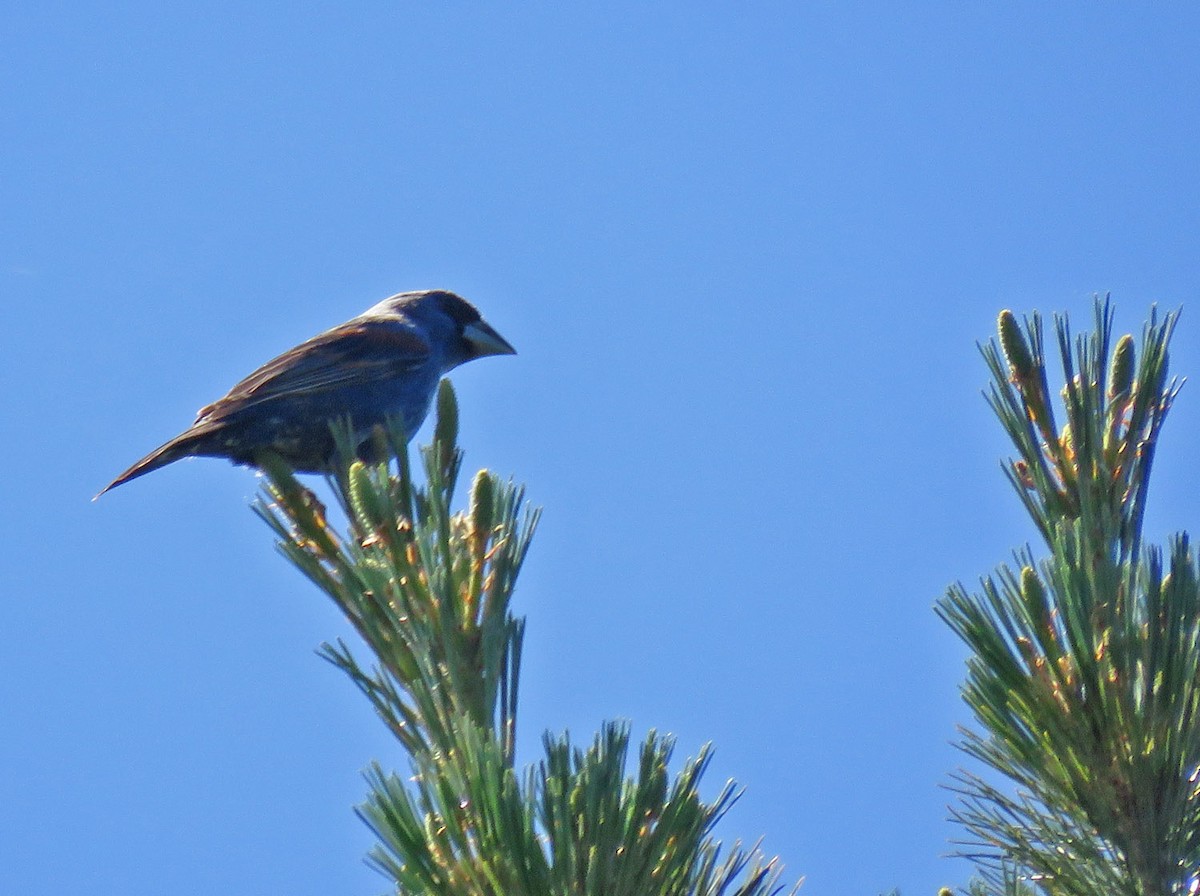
(745, 252)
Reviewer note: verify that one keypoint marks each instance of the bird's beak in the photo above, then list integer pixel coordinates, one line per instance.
(486, 341)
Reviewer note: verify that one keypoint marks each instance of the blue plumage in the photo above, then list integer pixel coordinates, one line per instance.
(387, 361)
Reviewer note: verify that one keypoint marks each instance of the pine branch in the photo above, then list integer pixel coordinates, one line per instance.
(1085, 667)
(429, 592)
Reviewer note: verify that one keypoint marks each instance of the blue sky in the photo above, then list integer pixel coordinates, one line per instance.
(745, 255)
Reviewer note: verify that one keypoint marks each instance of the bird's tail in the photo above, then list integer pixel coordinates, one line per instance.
(181, 446)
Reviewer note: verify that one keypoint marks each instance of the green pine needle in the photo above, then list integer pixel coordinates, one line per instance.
(1085, 668)
(429, 589)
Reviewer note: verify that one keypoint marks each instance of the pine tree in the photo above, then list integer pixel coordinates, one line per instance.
(1084, 673)
(429, 592)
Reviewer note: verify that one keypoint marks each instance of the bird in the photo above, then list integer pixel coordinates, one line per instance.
(386, 361)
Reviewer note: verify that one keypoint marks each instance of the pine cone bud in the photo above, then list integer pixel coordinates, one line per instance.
(1012, 341)
(1120, 375)
(446, 430)
(1032, 590)
(362, 497)
(483, 499)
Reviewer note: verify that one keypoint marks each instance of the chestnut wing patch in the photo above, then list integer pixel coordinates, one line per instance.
(352, 354)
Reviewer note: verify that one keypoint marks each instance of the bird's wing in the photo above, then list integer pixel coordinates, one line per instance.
(355, 353)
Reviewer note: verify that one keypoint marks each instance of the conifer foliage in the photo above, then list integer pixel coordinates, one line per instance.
(1084, 673)
(429, 591)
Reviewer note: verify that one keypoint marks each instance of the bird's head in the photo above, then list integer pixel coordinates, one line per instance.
(450, 319)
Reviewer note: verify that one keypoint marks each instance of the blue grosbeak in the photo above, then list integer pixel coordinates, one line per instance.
(387, 361)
